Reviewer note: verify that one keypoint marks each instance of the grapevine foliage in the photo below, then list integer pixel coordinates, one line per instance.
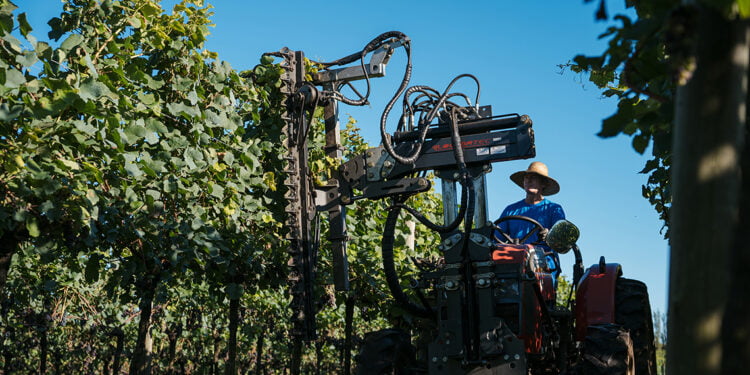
(138, 197)
(644, 61)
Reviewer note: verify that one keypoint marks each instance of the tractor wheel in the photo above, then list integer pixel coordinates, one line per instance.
(633, 312)
(607, 350)
(388, 351)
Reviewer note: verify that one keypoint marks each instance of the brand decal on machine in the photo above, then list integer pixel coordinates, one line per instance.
(464, 144)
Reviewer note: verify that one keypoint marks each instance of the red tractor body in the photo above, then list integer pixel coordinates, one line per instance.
(595, 297)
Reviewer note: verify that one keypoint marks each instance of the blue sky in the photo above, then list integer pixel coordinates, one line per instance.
(514, 49)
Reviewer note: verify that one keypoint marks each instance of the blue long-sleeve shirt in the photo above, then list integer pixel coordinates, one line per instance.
(546, 213)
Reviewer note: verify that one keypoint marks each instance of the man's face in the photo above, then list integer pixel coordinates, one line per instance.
(533, 183)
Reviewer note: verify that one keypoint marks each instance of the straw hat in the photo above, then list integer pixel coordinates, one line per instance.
(540, 169)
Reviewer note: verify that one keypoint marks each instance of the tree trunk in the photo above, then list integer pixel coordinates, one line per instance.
(57, 356)
(295, 364)
(44, 323)
(174, 334)
(106, 363)
(8, 245)
(709, 113)
(348, 320)
(141, 364)
(55, 360)
(217, 350)
(259, 369)
(118, 350)
(43, 343)
(736, 325)
(319, 355)
(234, 318)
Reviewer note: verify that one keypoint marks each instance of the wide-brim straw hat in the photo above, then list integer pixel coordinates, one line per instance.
(540, 169)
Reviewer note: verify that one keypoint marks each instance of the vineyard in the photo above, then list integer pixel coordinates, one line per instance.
(142, 201)
(162, 212)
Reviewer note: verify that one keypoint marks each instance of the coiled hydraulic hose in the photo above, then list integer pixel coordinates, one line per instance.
(442, 101)
(371, 46)
(389, 267)
(387, 246)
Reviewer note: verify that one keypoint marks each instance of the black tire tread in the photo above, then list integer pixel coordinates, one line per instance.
(388, 351)
(607, 350)
(633, 312)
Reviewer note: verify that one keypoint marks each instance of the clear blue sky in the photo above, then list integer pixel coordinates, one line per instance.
(514, 48)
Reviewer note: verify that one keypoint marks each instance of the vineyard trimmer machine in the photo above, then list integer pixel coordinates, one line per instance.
(488, 307)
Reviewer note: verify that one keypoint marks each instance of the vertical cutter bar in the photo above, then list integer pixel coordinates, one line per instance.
(307, 240)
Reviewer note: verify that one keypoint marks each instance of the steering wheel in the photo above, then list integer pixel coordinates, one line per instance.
(538, 228)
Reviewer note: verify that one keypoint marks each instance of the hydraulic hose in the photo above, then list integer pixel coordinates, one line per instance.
(436, 103)
(440, 228)
(391, 277)
(373, 45)
(389, 268)
(431, 105)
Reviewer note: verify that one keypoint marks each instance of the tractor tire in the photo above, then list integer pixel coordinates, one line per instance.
(633, 312)
(607, 350)
(388, 351)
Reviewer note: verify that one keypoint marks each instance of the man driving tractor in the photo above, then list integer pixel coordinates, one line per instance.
(537, 184)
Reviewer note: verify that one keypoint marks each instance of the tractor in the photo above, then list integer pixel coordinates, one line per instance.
(513, 325)
(488, 306)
